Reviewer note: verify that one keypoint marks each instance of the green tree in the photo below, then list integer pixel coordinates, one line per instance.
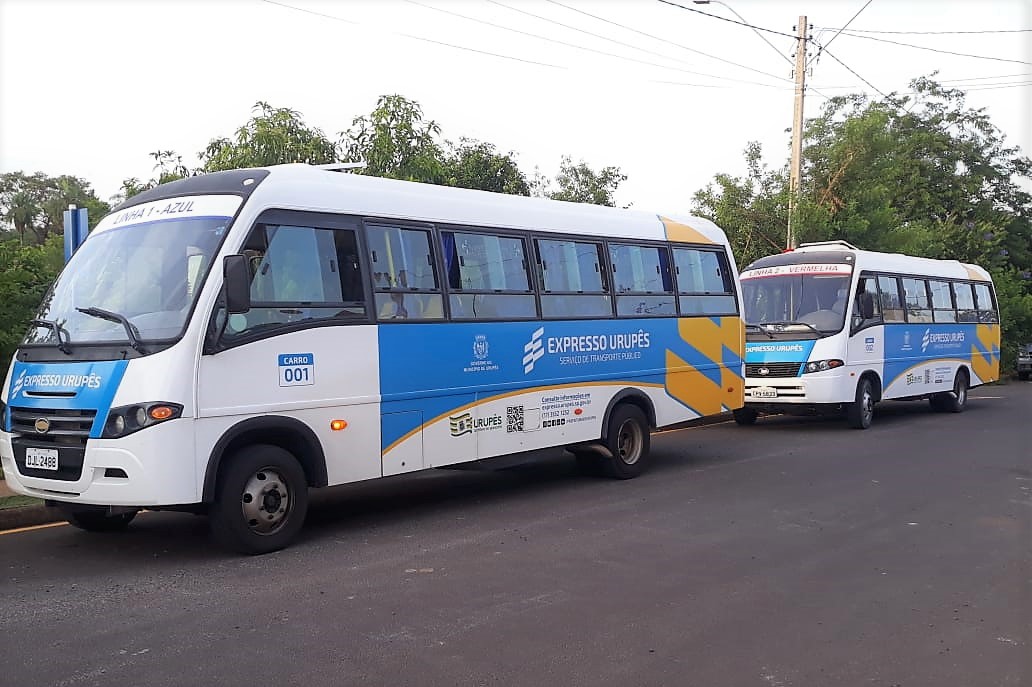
(273, 136)
(477, 165)
(395, 141)
(752, 210)
(33, 206)
(26, 272)
(578, 183)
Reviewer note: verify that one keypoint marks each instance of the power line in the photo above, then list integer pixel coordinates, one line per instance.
(653, 37)
(717, 16)
(848, 23)
(828, 53)
(945, 52)
(418, 38)
(559, 42)
(933, 33)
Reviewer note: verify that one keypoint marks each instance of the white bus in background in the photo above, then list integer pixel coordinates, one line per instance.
(221, 343)
(830, 327)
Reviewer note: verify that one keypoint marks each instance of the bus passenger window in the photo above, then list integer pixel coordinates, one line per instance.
(985, 305)
(488, 276)
(891, 303)
(704, 282)
(404, 280)
(942, 302)
(642, 281)
(965, 299)
(918, 307)
(572, 280)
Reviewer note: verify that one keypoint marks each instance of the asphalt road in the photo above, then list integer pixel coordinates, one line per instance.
(795, 552)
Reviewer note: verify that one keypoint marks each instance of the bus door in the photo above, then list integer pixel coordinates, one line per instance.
(306, 350)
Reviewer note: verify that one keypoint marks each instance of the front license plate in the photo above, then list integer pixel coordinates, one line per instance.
(41, 458)
(765, 392)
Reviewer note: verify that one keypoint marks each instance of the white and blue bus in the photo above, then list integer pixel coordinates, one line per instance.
(830, 327)
(221, 343)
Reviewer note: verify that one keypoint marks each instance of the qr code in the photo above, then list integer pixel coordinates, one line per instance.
(514, 419)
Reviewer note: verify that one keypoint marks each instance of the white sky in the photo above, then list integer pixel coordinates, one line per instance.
(90, 88)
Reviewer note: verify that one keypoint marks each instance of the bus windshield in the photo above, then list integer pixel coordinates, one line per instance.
(129, 284)
(807, 301)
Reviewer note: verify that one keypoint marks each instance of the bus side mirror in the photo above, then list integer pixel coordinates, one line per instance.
(237, 280)
(866, 306)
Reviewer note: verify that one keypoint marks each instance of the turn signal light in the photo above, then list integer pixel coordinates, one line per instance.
(337, 425)
(160, 413)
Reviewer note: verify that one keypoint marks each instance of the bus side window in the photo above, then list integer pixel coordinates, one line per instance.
(867, 289)
(984, 303)
(918, 307)
(965, 299)
(942, 302)
(704, 282)
(298, 274)
(891, 303)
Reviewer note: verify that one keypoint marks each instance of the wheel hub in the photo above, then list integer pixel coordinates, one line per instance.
(265, 501)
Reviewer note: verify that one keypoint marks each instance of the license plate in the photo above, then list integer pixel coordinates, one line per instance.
(765, 392)
(41, 458)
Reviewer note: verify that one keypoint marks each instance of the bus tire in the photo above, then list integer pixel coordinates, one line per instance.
(745, 416)
(956, 400)
(97, 519)
(628, 441)
(860, 412)
(1023, 376)
(261, 500)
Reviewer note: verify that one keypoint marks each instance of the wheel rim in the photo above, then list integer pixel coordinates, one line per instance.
(867, 405)
(266, 501)
(961, 391)
(629, 442)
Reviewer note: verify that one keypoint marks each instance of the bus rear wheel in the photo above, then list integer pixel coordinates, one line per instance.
(628, 440)
(261, 500)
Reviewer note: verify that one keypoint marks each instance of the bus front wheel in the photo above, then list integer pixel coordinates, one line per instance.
(628, 441)
(261, 500)
(860, 412)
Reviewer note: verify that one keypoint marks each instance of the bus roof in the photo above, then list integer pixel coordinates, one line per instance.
(874, 261)
(314, 189)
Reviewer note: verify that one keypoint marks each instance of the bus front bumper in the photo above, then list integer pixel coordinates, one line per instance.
(815, 389)
(152, 467)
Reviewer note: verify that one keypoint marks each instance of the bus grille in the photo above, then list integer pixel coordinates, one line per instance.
(65, 427)
(772, 370)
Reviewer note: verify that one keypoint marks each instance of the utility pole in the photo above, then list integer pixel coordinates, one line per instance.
(795, 167)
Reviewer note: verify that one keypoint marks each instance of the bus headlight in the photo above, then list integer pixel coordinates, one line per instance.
(125, 420)
(822, 365)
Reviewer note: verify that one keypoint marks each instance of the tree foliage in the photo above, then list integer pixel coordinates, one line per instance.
(477, 165)
(32, 206)
(395, 141)
(26, 272)
(273, 136)
(578, 183)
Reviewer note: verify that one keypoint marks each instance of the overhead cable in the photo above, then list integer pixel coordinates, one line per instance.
(922, 47)
(649, 35)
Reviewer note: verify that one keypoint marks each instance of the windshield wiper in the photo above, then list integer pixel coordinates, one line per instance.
(62, 344)
(760, 327)
(788, 323)
(130, 328)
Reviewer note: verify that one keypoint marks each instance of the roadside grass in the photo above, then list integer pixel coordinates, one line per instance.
(18, 501)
